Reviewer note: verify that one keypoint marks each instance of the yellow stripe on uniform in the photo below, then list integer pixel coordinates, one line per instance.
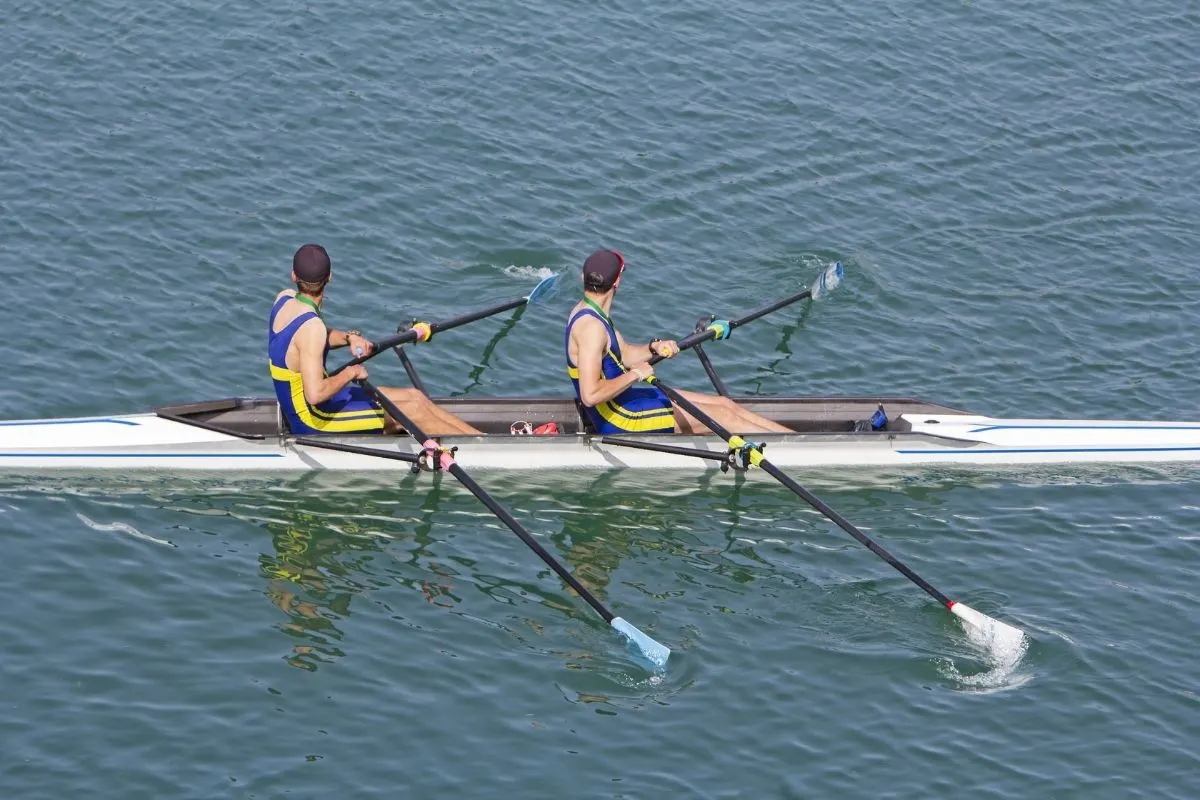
(655, 419)
(326, 421)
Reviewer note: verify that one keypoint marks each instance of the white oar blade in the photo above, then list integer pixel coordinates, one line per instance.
(655, 652)
(827, 281)
(543, 287)
(997, 637)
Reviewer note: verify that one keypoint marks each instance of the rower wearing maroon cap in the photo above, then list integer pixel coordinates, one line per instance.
(310, 399)
(606, 369)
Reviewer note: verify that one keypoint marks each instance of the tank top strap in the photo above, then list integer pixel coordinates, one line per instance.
(278, 343)
(584, 312)
(275, 311)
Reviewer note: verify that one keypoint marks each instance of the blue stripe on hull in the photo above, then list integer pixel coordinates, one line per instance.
(981, 451)
(1131, 427)
(21, 423)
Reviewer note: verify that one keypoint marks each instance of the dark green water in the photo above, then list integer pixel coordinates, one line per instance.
(1012, 190)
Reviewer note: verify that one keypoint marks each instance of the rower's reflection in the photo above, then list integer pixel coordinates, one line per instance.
(308, 581)
(327, 549)
(330, 547)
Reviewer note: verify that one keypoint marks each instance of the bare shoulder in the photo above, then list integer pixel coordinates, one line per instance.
(285, 293)
(312, 332)
(587, 327)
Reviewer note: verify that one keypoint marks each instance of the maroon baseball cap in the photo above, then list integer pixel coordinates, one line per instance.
(311, 264)
(601, 270)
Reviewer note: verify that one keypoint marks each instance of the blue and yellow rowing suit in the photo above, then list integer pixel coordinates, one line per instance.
(638, 409)
(349, 411)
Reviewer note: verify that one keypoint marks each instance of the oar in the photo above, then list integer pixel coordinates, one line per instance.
(411, 370)
(443, 458)
(823, 285)
(996, 633)
(424, 331)
(717, 383)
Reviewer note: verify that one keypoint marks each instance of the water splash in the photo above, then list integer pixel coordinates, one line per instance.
(527, 271)
(1001, 645)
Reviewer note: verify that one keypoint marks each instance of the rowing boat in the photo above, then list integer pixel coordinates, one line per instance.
(247, 434)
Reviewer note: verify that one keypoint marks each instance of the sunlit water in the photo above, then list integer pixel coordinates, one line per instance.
(1011, 192)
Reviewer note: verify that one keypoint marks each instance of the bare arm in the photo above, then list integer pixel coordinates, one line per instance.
(310, 343)
(338, 338)
(591, 340)
(633, 353)
(641, 353)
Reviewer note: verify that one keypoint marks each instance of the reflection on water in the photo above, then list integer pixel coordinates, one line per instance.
(328, 549)
(307, 581)
(333, 539)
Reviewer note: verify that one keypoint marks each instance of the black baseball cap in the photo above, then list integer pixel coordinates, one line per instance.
(311, 264)
(601, 270)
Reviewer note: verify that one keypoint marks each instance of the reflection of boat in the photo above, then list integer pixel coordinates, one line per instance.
(246, 434)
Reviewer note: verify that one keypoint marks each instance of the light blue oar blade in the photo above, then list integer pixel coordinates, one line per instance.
(829, 280)
(656, 653)
(543, 287)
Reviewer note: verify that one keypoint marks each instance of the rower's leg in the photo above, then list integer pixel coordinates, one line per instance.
(426, 414)
(726, 412)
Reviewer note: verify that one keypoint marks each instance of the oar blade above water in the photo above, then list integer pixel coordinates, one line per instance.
(543, 288)
(655, 652)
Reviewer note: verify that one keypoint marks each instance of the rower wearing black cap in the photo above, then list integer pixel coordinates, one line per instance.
(606, 369)
(310, 399)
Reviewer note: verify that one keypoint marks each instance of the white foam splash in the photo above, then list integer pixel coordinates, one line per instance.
(122, 527)
(1001, 645)
(528, 271)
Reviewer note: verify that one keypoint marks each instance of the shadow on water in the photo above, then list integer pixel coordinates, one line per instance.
(485, 358)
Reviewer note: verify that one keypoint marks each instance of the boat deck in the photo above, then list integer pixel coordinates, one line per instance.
(256, 417)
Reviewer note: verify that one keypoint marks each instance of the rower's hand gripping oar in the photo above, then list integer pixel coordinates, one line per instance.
(443, 458)
(424, 331)
(823, 285)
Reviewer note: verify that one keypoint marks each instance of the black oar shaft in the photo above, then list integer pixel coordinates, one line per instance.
(410, 336)
(853, 530)
(659, 447)
(717, 383)
(505, 517)
(374, 452)
(773, 307)
(516, 527)
(411, 370)
(807, 496)
(699, 337)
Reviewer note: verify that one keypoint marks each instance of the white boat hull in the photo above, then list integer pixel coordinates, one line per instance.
(924, 435)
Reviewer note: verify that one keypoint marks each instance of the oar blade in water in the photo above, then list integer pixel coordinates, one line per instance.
(995, 636)
(655, 652)
(828, 281)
